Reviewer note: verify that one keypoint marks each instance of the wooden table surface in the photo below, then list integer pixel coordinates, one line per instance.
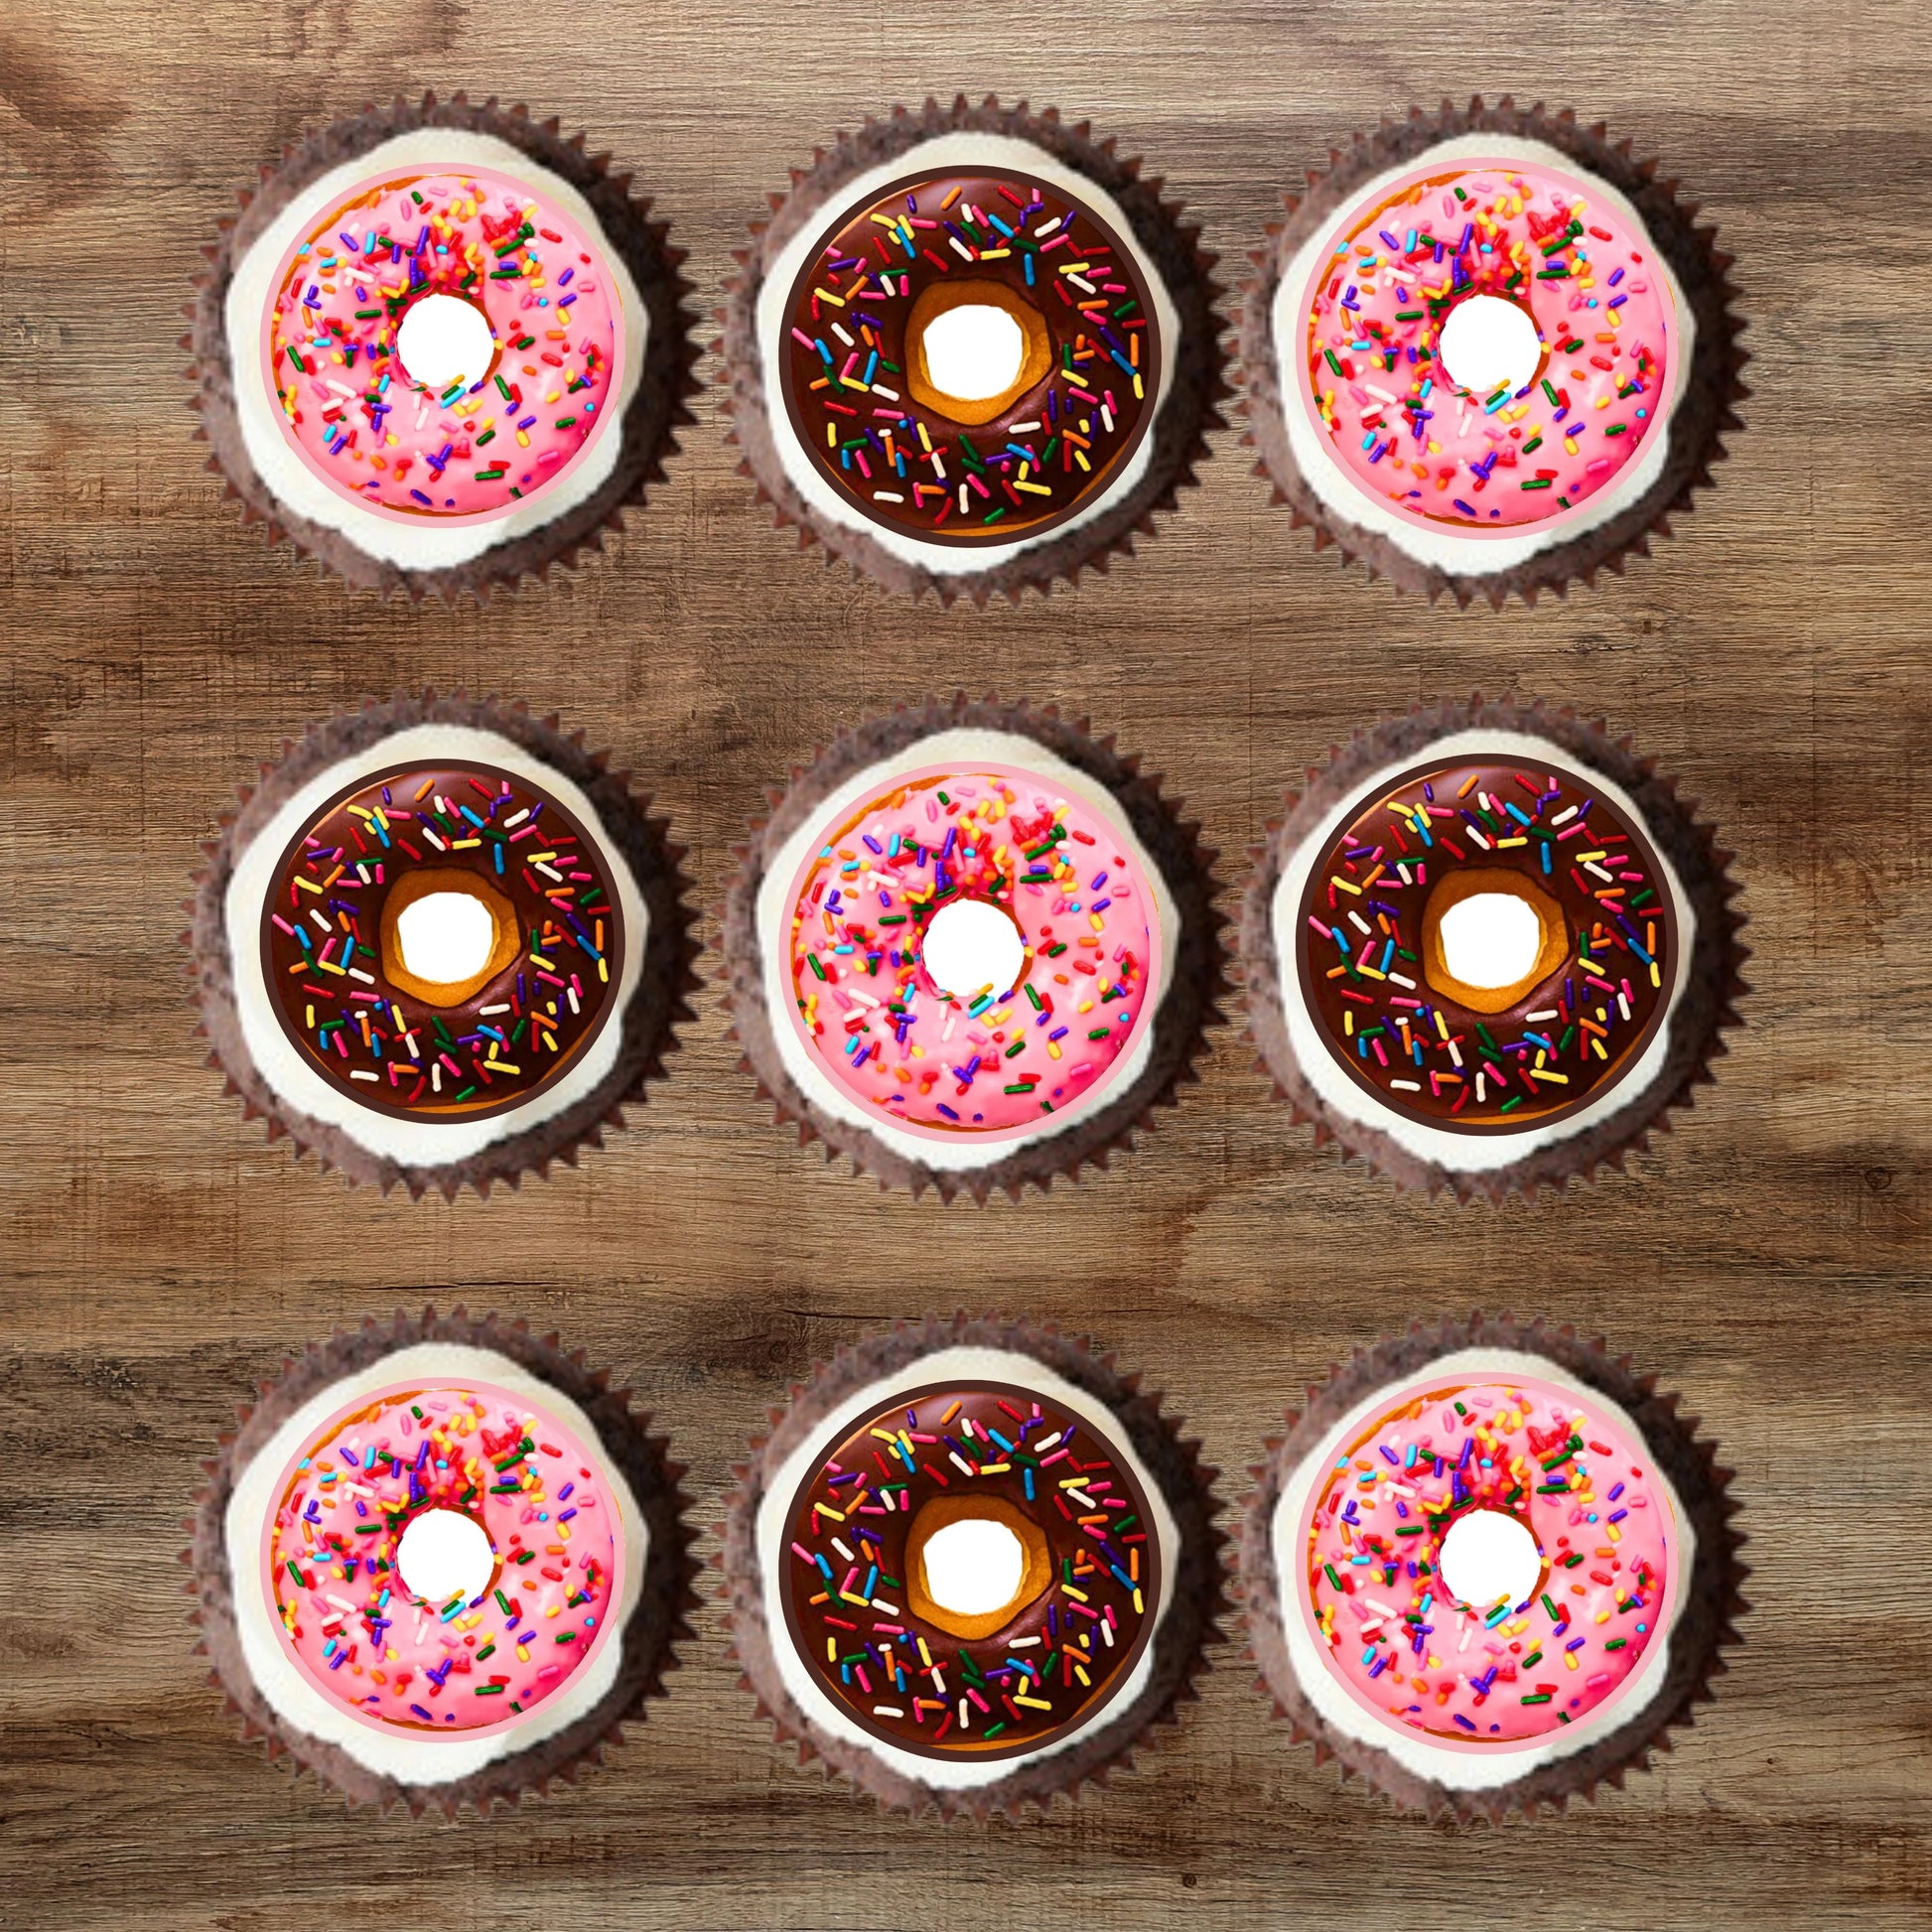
(157, 1256)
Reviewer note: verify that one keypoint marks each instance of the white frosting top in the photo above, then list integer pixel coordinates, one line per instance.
(416, 1143)
(1479, 1767)
(966, 746)
(947, 151)
(1441, 546)
(958, 1364)
(421, 545)
(1459, 1153)
(409, 1757)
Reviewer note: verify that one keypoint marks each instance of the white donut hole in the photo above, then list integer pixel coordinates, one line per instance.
(973, 1565)
(1488, 342)
(1489, 1557)
(973, 351)
(445, 937)
(972, 947)
(445, 340)
(1490, 939)
(444, 1553)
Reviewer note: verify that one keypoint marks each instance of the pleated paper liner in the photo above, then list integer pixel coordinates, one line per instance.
(654, 1624)
(1707, 412)
(1192, 1622)
(649, 1021)
(1178, 435)
(1707, 1008)
(651, 424)
(1179, 1027)
(1697, 1640)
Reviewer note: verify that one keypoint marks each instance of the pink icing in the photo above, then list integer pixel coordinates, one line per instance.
(349, 407)
(349, 1620)
(1440, 453)
(1607, 1538)
(872, 1015)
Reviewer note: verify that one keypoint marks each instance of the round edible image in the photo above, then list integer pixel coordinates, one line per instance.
(1489, 352)
(971, 1566)
(440, 1563)
(972, 947)
(1490, 949)
(972, 352)
(1488, 1566)
(441, 944)
(441, 348)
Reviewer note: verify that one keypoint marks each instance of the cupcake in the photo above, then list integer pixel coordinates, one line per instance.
(972, 351)
(1488, 351)
(1488, 1566)
(440, 1561)
(972, 947)
(440, 347)
(970, 1566)
(1488, 948)
(441, 944)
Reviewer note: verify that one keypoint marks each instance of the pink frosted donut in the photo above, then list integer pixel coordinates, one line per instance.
(544, 324)
(1381, 1533)
(1589, 352)
(1068, 996)
(341, 1546)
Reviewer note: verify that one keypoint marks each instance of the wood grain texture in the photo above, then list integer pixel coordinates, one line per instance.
(157, 1256)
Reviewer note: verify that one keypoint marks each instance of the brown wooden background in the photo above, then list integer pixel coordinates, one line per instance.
(157, 1256)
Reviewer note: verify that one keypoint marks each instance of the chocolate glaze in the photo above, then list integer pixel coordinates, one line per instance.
(1366, 853)
(861, 260)
(1083, 1562)
(339, 828)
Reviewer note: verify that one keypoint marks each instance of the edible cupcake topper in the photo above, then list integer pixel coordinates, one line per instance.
(1489, 352)
(971, 351)
(1488, 1566)
(1488, 949)
(441, 946)
(441, 348)
(971, 948)
(440, 1563)
(971, 1566)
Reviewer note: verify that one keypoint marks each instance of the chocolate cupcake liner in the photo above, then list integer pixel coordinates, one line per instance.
(1698, 1641)
(1177, 1645)
(649, 1021)
(1179, 1031)
(1706, 414)
(654, 1626)
(1178, 435)
(1705, 1010)
(651, 424)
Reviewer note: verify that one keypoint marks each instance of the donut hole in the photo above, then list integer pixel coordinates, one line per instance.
(972, 946)
(973, 351)
(443, 1554)
(445, 933)
(1488, 343)
(1488, 1558)
(1491, 940)
(973, 348)
(446, 937)
(1490, 937)
(445, 340)
(974, 1566)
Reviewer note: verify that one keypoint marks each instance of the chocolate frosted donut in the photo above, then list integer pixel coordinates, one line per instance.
(466, 842)
(971, 1566)
(441, 944)
(972, 352)
(994, 1672)
(1488, 948)
(1052, 311)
